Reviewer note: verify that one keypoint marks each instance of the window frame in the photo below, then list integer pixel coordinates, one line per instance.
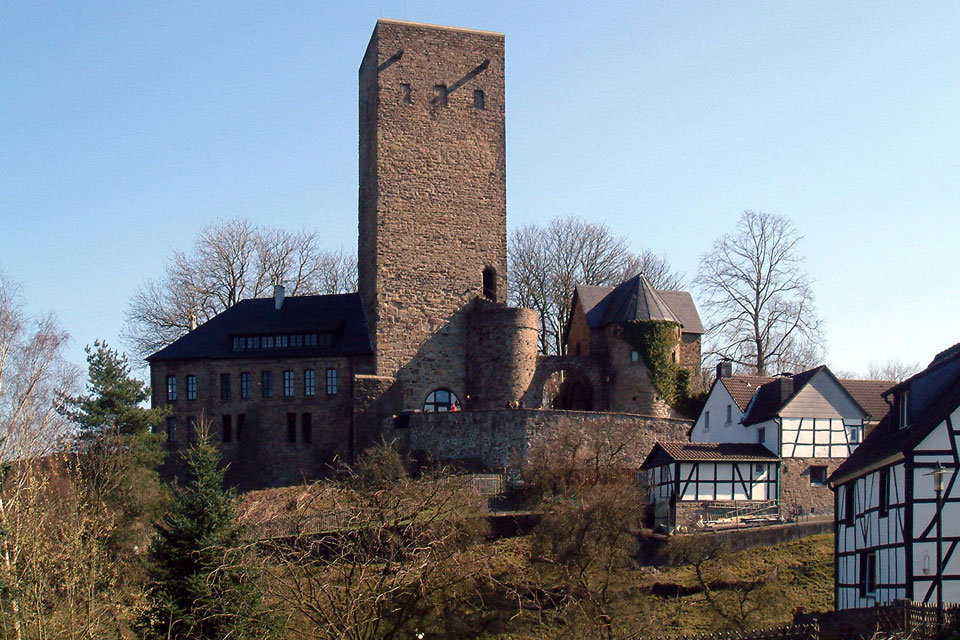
(266, 384)
(172, 431)
(191, 387)
(224, 387)
(171, 387)
(883, 498)
(818, 467)
(868, 573)
(291, 428)
(289, 384)
(306, 427)
(246, 385)
(450, 405)
(850, 503)
(761, 435)
(309, 382)
(331, 382)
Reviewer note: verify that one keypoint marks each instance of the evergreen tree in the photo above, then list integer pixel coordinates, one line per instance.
(202, 582)
(117, 448)
(114, 399)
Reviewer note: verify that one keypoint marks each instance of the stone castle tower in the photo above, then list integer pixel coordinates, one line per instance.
(432, 219)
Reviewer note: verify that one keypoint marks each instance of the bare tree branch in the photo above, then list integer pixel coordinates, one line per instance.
(547, 263)
(758, 298)
(230, 261)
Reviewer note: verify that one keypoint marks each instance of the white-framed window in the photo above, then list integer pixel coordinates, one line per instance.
(246, 382)
(171, 388)
(288, 384)
(903, 414)
(853, 433)
(191, 387)
(309, 382)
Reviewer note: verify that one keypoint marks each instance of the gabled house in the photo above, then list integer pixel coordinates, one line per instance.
(687, 480)
(811, 420)
(887, 516)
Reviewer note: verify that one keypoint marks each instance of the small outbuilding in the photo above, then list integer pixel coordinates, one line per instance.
(692, 481)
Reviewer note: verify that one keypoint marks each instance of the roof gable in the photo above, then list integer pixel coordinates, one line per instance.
(637, 300)
(666, 452)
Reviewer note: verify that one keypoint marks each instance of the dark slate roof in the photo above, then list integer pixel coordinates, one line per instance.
(887, 439)
(941, 358)
(340, 315)
(664, 452)
(767, 401)
(636, 300)
(684, 308)
(869, 395)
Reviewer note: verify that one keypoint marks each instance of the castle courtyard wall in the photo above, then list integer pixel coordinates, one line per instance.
(500, 440)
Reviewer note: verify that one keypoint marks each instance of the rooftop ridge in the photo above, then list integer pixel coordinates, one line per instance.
(439, 26)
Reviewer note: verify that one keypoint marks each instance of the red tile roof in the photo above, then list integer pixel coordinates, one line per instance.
(710, 452)
(742, 388)
(868, 394)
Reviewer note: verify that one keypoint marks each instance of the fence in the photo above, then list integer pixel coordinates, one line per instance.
(787, 632)
(913, 620)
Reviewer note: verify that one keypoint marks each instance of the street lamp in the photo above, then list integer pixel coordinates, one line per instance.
(938, 473)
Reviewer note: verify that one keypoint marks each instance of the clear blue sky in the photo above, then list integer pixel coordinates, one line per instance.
(126, 127)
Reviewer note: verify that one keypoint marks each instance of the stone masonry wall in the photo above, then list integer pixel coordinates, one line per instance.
(796, 490)
(501, 354)
(432, 196)
(502, 439)
(631, 388)
(262, 455)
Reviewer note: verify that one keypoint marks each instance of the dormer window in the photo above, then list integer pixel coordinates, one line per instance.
(902, 404)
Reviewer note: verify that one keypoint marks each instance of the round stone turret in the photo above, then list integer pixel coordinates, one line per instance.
(501, 354)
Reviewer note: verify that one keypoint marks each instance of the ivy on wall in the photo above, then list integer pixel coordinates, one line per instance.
(655, 341)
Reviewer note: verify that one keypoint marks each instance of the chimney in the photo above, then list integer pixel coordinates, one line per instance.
(786, 387)
(193, 321)
(278, 294)
(724, 369)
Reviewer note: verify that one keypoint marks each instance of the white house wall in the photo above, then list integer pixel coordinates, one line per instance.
(939, 446)
(701, 481)
(872, 532)
(818, 437)
(720, 430)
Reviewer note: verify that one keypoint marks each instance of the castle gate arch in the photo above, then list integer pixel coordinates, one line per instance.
(582, 388)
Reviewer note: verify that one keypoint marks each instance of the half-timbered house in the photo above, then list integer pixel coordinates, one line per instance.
(687, 480)
(811, 420)
(887, 514)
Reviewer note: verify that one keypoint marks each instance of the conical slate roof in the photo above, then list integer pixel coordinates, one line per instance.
(637, 301)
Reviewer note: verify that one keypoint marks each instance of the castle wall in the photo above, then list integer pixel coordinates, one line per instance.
(690, 353)
(631, 388)
(432, 196)
(501, 355)
(502, 439)
(578, 337)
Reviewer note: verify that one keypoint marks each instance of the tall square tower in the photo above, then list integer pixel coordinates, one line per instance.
(432, 230)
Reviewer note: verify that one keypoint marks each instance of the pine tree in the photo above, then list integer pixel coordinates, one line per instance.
(114, 399)
(202, 582)
(117, 449)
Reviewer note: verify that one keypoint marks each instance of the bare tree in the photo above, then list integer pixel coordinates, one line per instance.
(758, 298)
(379, 554)
(34, 377)
(546, 263)
(230, 261)
(892, 369)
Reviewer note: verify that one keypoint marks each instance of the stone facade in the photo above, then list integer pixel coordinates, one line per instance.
(796, 490)
(432, 197)
(262, 445)
(502, 439)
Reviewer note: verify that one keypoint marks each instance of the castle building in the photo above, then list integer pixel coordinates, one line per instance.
(427, 351)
